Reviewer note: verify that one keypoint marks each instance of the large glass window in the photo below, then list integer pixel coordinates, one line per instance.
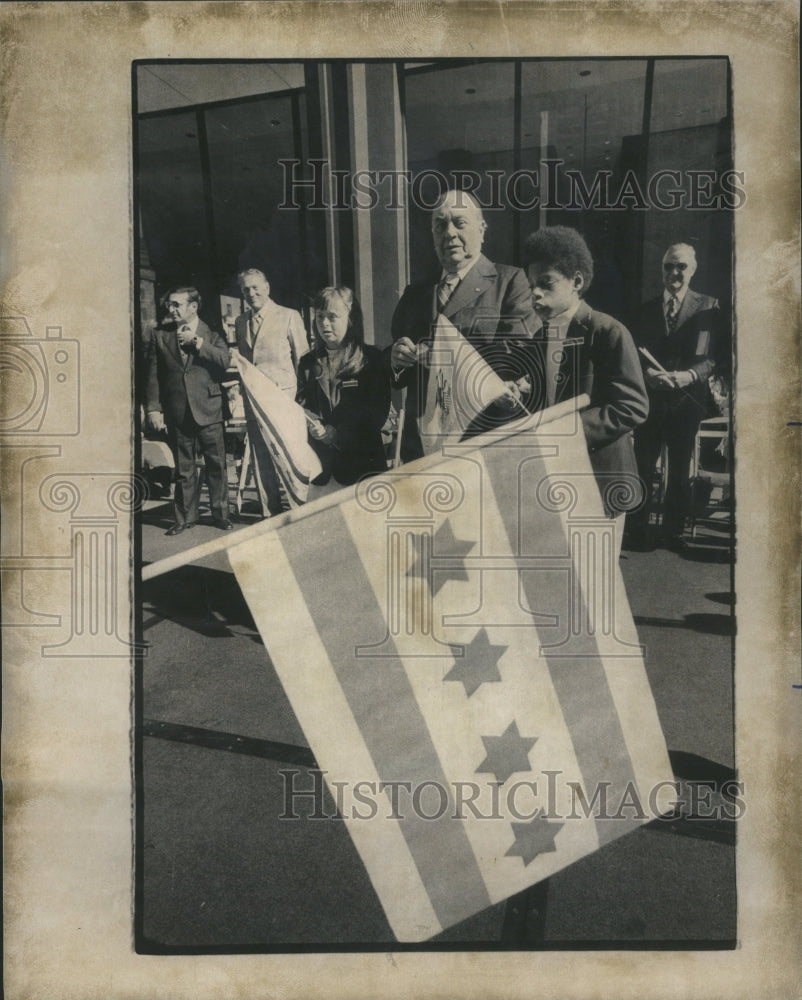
(246, 141)
(585, 114)
(460, 119)
(608, 127)
(688, 93)
(172, 197)
(210, 186)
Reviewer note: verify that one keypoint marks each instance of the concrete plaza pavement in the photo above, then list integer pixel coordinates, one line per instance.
(218, 871)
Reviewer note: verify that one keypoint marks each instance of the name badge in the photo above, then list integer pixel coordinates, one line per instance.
(702, 343)
(349, 383)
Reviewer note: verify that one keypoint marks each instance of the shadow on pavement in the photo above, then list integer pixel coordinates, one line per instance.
(710, 624)
(722, 597)
(207, 601)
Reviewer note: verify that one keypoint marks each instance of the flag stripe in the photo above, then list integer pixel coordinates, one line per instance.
(380, 696)
(288, 483)
(581, 682)
(282, 426)
(302, 664)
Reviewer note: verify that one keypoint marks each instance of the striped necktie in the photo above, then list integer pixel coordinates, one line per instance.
(446, 289)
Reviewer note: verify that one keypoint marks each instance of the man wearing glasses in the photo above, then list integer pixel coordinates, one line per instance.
(186, 363)
(679, 338)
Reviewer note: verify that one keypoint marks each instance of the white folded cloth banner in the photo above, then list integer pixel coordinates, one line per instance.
(461, 386)
(282, 424)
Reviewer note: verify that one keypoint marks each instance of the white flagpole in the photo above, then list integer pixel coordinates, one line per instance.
(399, 433)
(653, 361)
(534, 422)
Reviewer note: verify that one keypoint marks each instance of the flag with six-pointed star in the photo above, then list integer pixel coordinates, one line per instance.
(456, 642)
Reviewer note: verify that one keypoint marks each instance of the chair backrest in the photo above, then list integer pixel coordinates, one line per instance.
(712, 439)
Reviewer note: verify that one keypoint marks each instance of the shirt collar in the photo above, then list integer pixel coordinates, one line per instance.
(263, 311)
(563, 321)
(680, 296)
(459, 274)
(191, 325)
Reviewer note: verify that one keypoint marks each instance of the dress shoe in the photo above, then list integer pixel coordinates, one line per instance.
(178, 528)
(222, 523)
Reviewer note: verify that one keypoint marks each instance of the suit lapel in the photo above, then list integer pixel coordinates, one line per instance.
(270, 319)
(690, 305)
(480, 277)
(205, 334)
(323, 396)
(241, 330)
(202, 330)
(186, 360)
(576, 337)
(170, 341)
(246, 331)
(249, 332)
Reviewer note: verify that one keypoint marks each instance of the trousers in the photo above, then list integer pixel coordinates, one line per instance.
(185, 439)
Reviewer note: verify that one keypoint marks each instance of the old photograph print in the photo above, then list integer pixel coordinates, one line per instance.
(438, 648)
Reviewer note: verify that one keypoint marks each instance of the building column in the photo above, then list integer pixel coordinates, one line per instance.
(379, 194)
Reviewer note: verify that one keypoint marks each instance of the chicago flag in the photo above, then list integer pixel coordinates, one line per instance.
(455, 639)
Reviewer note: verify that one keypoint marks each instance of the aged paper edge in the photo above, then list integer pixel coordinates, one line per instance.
(66, 120)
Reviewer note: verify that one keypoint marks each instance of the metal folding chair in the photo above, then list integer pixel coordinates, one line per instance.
(710, 474)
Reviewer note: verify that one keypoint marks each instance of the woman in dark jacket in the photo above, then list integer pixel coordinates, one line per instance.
(345, 390)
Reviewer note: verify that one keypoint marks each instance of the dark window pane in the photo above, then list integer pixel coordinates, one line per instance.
(461, 119)
(172, 199)
(246, 141)
(688, 93)
(587, 113)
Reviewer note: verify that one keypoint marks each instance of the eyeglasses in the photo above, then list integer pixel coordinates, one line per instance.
(671, 267)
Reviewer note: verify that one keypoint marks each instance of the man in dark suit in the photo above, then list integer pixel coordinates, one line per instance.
(490, 304)
(585, 351)
(186, 364)
(681, 330)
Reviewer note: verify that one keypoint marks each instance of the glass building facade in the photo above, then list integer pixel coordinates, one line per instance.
(289, 171)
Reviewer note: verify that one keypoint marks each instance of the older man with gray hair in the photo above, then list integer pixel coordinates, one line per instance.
(490, 304)
(273, 339)
(680, 337)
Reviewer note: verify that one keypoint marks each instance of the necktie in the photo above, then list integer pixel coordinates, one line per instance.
(551, 367)
(253, 327)
(671, 315)
(446, 289)
(186, 351)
